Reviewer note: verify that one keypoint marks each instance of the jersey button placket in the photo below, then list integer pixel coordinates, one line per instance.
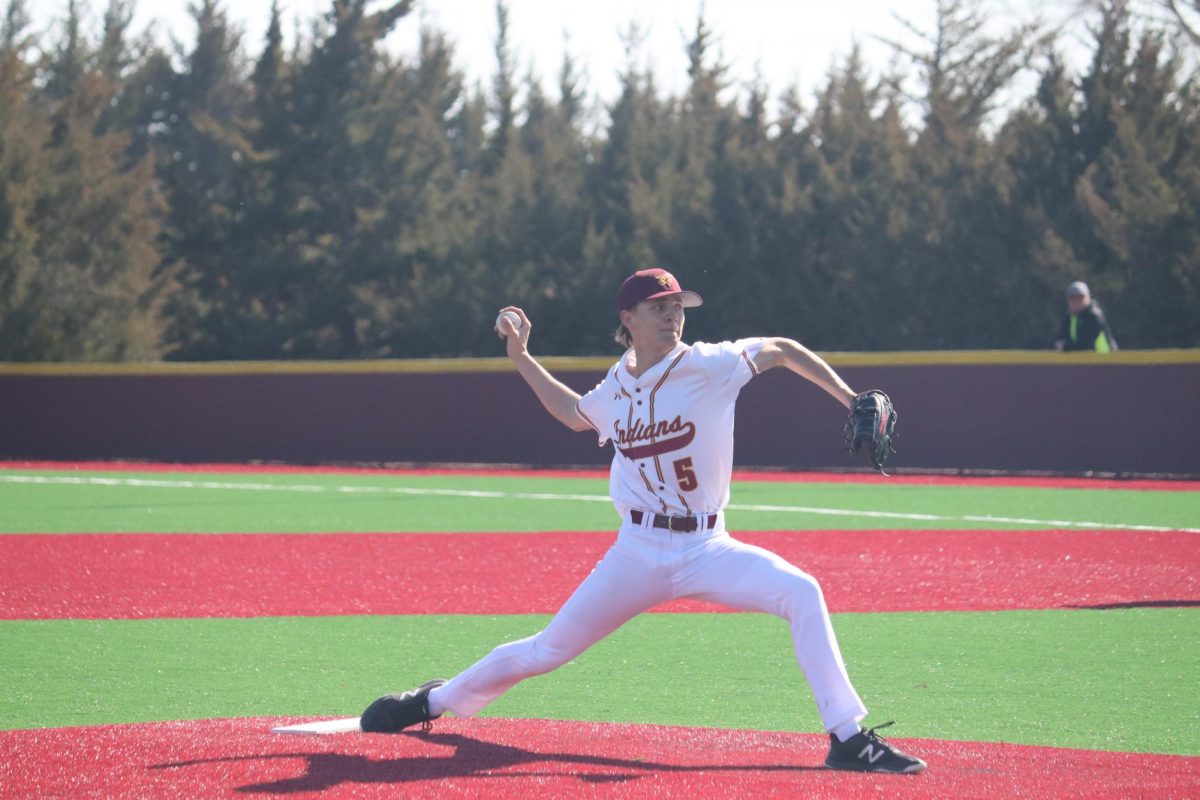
(638, 390)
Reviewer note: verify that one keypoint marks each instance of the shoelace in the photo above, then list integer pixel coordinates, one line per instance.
(871, 734)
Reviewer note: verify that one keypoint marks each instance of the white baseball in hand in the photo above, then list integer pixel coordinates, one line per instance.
(512, 317)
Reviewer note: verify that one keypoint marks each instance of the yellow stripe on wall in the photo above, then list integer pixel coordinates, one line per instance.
(588, 363)
(432, 365)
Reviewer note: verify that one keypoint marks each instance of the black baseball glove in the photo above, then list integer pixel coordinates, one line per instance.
(872, 422)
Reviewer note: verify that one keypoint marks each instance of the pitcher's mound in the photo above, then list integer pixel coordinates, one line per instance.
(491, 757)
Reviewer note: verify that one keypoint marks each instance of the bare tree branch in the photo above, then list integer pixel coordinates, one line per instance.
(1187, 14)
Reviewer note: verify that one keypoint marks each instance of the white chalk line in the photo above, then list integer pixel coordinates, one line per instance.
(158, 483)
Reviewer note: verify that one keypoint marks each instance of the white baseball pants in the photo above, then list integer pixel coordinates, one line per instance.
(647, 566)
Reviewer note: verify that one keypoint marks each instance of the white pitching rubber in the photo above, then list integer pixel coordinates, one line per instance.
(347, 725)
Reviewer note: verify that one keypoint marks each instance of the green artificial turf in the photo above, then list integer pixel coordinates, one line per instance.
(1113, 680)
(1116, 680)
(167, 502)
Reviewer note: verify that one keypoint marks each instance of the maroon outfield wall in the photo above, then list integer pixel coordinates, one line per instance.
(1126, 413)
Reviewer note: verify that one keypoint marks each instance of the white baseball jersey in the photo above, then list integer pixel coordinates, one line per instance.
(672, 427)
(673, 432)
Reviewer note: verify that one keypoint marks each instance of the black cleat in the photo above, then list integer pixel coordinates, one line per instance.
(393, 713)
(868, 752)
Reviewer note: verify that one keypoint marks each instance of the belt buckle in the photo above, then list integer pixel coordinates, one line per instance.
(683, 521)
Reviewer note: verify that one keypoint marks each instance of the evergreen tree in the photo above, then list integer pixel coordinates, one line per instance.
(113, 57)
(1136, 193)
(330, 200)
(855, 183)
(1040, 144)
(79, 254)
(69, 62)
(623, 206)
(1106, 173)
(504, 91)
(201, 151)
(553, 225)
(423, 236)
(332, 187)
(24, 128)
(687, 230)
(302, 197)
(967, 281)
(98, 224)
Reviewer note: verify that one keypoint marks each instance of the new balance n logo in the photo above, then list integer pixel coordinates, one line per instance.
(871, 753)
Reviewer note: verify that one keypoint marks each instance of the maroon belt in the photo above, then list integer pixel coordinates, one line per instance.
(676, 524)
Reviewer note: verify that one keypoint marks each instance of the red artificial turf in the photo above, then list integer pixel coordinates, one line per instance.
(141, 576)
(493, 757)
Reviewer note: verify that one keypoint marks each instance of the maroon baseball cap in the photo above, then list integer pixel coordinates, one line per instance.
(648, 284)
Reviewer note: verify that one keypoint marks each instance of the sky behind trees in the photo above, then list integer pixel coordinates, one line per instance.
(780, 42)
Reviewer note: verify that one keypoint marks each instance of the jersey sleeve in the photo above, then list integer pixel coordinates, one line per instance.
(748, 351)
(592, 408)
(730, 365)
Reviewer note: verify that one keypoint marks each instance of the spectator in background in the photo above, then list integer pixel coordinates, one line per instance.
(1084, 326)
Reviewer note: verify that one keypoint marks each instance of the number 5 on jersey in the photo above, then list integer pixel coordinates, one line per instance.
(685, 473)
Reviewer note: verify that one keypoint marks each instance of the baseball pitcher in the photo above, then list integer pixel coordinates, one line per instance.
(668, 409)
